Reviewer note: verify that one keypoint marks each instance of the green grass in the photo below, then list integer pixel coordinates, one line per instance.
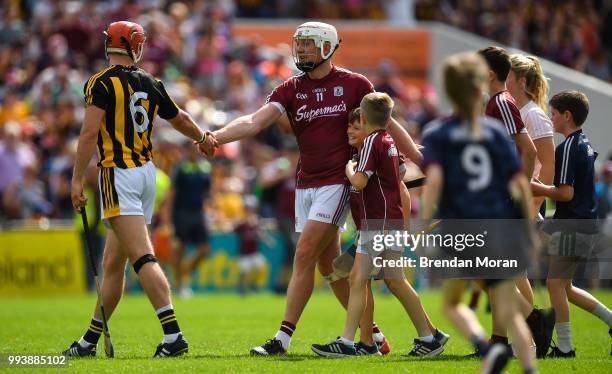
(222, 328)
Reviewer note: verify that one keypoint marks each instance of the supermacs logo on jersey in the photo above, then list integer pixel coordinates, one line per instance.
(327, 111)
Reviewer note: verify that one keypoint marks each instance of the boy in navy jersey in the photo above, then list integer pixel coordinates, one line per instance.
(471, 167)
(377, 177)
(574, 192)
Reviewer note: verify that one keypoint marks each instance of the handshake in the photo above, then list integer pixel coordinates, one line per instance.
(207, 144)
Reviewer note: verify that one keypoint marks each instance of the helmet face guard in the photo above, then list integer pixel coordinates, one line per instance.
(125, 38)
(319, 33)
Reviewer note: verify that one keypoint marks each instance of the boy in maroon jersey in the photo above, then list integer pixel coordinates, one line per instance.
(377, 176)
(317, 103)
(501, 105)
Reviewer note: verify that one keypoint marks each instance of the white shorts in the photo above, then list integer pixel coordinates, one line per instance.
(253, 261)
(328, 204)
(371, 242)
(127, 192)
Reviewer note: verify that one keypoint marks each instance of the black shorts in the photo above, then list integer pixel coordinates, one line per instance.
(190, 227)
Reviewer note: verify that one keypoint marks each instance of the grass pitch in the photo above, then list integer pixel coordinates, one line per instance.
(222, 328)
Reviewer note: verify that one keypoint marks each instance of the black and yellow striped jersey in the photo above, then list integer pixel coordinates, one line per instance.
(131, 98)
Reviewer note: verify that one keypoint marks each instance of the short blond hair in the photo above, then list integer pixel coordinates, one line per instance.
(376, 108)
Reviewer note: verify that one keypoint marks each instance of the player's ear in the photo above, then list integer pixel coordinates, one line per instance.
(492, 76)
(326, 48)
(567, 116)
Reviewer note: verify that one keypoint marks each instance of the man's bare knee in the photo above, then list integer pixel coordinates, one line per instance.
(305, 258)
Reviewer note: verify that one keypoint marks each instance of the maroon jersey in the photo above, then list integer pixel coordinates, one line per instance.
(502, 107)
(247, 235)
(379, 159)
(356, 199)
(318, 112)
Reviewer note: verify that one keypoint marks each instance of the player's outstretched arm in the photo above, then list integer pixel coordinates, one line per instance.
(248, 125)
(404, 142)
(184, 124)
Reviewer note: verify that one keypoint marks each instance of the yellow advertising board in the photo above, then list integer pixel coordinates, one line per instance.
(41, 262)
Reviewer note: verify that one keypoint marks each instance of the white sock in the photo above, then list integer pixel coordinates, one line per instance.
(284, 338)
(346, 341)
(604, 314)
(84, 343)
(428, 339)
(564, 338)
(164, 308)
(171, 338)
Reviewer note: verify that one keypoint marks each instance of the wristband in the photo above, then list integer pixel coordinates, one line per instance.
(203, 138)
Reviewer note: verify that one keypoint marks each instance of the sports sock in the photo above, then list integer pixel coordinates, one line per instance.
(428, 339)
(377, 335)
(284, 334)
(345, 341)
(92, 335)
(499, 339)
(479, 343)
(604, 314)
(534, 315)
(167, 318)
(564, 338)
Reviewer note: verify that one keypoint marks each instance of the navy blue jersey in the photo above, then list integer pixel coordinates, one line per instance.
(476, 172)
(191, 182)
(575, 166)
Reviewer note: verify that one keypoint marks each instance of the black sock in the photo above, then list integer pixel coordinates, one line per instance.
(499, 339)
(534, 315)
(479, 343)
(167, 318)
(92, 335)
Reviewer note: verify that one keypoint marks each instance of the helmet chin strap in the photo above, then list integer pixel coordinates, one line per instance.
(129, 48)
(308, 67)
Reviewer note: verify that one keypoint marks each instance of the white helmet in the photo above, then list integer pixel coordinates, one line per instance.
(319, 32)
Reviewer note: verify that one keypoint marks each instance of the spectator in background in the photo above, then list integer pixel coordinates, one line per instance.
(571, 32)
(25, 198)
(190, 189)
(12, 108)
(242, 92)
(279, 175)
(15, 156)
(251, 263)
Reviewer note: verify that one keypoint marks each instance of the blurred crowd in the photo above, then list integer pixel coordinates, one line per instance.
(574, 33)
